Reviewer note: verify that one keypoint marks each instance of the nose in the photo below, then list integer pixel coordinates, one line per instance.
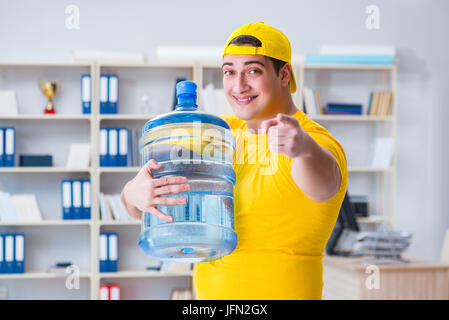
(240, 84)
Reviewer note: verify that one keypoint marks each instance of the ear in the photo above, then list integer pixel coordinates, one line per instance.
(284, 74)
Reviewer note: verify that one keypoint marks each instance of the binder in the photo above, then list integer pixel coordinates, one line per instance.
(112, 93)
(104, 292)
(114, 292)
(2, 148)
(104, 93)
(113, 147)
(19, 259)
(103, 252)
(123, 147)
(86, 93)
(9, 154)
(9, 253)
(2, 254)
(112, 252)
(66, 199)
(104, 147)
(76, 203)
(86, 200)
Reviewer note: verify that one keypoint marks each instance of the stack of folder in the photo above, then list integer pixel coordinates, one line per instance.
(7, 146)
(108, 251)
(343, 108)
(76, 199)
(108, 94)
(115, 147)
(12, 253)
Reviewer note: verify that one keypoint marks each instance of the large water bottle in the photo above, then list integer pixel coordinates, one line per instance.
(200, 147)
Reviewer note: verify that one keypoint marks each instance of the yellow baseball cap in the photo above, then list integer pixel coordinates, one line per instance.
(274, 44)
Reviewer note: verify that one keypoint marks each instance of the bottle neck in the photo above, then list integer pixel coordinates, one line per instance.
(186, 103)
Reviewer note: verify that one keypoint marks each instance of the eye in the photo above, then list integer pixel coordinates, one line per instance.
(254, 71)
(227, 72)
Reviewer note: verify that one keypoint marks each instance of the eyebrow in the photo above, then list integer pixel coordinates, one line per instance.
(246, 63)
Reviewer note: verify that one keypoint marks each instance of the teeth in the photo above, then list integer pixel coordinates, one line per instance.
(247, 99)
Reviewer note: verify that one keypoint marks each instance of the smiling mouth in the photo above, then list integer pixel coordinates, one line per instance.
(243, 101)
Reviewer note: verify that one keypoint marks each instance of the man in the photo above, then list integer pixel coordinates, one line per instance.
(286, 201)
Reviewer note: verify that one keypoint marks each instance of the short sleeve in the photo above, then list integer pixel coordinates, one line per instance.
(321, 136)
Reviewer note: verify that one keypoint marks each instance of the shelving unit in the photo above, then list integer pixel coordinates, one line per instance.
(380, 77)
(69, 125)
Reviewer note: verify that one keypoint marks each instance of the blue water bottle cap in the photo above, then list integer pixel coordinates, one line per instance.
(186, 94)
(185, 87)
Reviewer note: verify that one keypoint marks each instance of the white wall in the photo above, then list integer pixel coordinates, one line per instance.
(35, 31)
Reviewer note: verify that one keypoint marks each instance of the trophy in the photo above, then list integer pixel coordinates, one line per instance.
(49, 89)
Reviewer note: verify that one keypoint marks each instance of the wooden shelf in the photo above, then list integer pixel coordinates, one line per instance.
(119, 169)
(51, 117)
(43, 223)
(143, 274)
(347, 67)
(362, 169)
(126, 117)
(42, 170)
(134, 222)
(359, 118)
(372, 219)
(39, 275)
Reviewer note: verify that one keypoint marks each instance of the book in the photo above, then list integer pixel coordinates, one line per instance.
(8, 103)
(318, 102)
(79, 155)
(382, 153)
(374, 104)
(27, 208)
(357, 50)
(340, 59)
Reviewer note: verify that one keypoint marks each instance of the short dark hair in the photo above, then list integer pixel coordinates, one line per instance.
(253, 41)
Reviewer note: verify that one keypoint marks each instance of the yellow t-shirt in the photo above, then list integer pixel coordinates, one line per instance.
(281, 233)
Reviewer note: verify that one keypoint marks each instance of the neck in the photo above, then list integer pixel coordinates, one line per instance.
(287, 108)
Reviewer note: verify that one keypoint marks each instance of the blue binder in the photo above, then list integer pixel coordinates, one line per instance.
(104, 94)
(76, 199)
(66, 199)
(123, 147)
(86, 199)
(2, 147)
(104, 146)
(10, 148)
(112, 93)
(9, 240)
(103, 252)
(112, 252)
(113, 147)
(19, 253)
(86, 93)
(2, 253)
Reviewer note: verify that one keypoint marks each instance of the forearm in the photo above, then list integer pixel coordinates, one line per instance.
(315, 171)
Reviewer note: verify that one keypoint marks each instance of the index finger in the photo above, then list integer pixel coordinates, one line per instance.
(169, 180)
(267, 124)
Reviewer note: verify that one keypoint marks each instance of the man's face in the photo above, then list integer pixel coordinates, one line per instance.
(251, 85)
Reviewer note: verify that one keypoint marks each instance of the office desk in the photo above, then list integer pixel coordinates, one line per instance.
(345, 278)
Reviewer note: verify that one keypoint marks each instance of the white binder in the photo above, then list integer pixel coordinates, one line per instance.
(103, 251)
(123, 147)
(113, 141)
(67, 199)
(103, 147)
(76, 199)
